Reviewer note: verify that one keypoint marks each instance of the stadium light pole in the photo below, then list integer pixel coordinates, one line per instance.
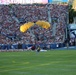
(67, 30)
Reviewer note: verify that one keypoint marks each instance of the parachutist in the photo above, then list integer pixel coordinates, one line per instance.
(38, 49)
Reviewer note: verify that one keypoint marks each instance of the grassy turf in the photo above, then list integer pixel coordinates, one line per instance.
(54, 62)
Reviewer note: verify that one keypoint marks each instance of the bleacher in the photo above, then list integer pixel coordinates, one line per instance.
(14, 15)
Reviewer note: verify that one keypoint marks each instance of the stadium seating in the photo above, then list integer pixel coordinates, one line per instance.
(13, 16)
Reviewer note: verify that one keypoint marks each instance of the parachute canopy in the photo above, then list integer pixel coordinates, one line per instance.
(26, 26)
(43, 24)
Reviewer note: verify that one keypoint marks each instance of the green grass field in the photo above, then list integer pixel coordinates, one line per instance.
(53, 62)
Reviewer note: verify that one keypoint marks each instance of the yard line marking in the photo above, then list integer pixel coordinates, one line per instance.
(40, 65)
(16, 64)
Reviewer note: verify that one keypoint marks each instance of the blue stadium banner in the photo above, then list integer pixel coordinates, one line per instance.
(49, 1)
(64, 0)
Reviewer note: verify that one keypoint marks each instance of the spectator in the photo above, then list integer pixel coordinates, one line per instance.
(10, 23)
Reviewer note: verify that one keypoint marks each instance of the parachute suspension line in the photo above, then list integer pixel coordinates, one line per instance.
(32, 34)
(27, 26)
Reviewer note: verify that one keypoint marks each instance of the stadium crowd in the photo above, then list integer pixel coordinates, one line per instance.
(13, 16)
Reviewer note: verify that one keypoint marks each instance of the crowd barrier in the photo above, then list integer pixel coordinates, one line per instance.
(25, 46)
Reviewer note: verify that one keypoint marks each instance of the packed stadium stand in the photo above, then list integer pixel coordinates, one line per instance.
(12, 16)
